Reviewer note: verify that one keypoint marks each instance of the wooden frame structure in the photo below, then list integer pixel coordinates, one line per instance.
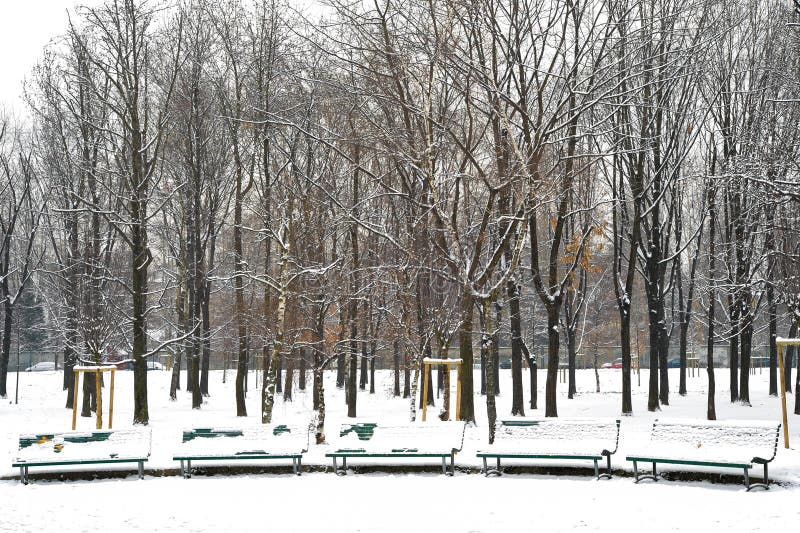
(692, 364)
(781, 342)
(449, 362)
(97, 370)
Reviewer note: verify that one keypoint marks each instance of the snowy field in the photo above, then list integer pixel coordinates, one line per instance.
(547, 496)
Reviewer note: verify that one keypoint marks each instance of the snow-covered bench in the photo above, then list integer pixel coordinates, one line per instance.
(554, 438)
(83, 448)
(734, 444)
(230, 444)
(370, 440)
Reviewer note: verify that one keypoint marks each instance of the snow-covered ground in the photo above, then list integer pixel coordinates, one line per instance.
(393, 500)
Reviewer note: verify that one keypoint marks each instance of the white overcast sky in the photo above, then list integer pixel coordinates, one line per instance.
(26, 26)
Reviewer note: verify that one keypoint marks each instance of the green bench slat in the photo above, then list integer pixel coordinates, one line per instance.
(238, 456)
(86, 462)
(688, 462)
(539, 456)
(386, 455)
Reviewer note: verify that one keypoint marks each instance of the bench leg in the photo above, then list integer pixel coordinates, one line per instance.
(751, 486)
(444, 465)
(188, 469)
(453, 464)
(299, 468)
(337, 470)
(492, 471)
(639, 477)
(141, 469)
(23, 474)
(607, 473)
(596, 469)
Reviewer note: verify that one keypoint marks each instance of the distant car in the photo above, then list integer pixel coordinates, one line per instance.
(616, 363)
(506, 363)
(674, 363)
(151, 365)
(42, 366)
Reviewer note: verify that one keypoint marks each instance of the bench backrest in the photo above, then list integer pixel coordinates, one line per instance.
(598, 434)
(77, 445)
(269, 438)
(434, 437)
(757, 438)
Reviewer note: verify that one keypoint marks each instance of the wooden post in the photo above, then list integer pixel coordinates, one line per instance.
(782, 387)
(111, 400)
(75, 382)
(458, 393)
(447, 363)
(424, 390)
(99, 393)
(98, 372)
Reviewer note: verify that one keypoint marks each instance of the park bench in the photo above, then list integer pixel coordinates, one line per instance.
(589, 439)
(734, 444)
(83, 448)
(232, 444)
(369, 440)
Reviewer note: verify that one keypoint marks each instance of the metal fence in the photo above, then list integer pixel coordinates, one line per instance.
(384, 358)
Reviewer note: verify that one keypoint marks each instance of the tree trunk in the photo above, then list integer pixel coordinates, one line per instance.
(746, 346)
(8, 309)
(491, 376)
(733, 352)
(238, 288)
(787, 360)
(279, 374)
(407, 378)
(372, 373)
(571, 357)
(140, 259)
(301, 377)
(287, 388)
(652, 393)
(515, 322)
(550, 394)
(351, 383)
(206, 325)
(494, 347)
(362, 380)
(319, 400)
(792, 353)
(465, 352)
(271, 378)
(89, 399)
(625, 348)
(682, 347)
(663, 351)
(396, 360)
(711, 411)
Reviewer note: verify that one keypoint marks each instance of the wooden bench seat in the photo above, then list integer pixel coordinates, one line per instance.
(592, 439)
(231, 444)
(369, 440)
(733, 444)
(83, 448)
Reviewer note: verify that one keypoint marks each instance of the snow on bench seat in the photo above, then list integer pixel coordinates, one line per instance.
(554, 438)
(83, 448)
(271, 441)
(731, 444)
(369, 439)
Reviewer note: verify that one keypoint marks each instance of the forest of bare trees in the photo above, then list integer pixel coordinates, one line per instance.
(310, 189)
